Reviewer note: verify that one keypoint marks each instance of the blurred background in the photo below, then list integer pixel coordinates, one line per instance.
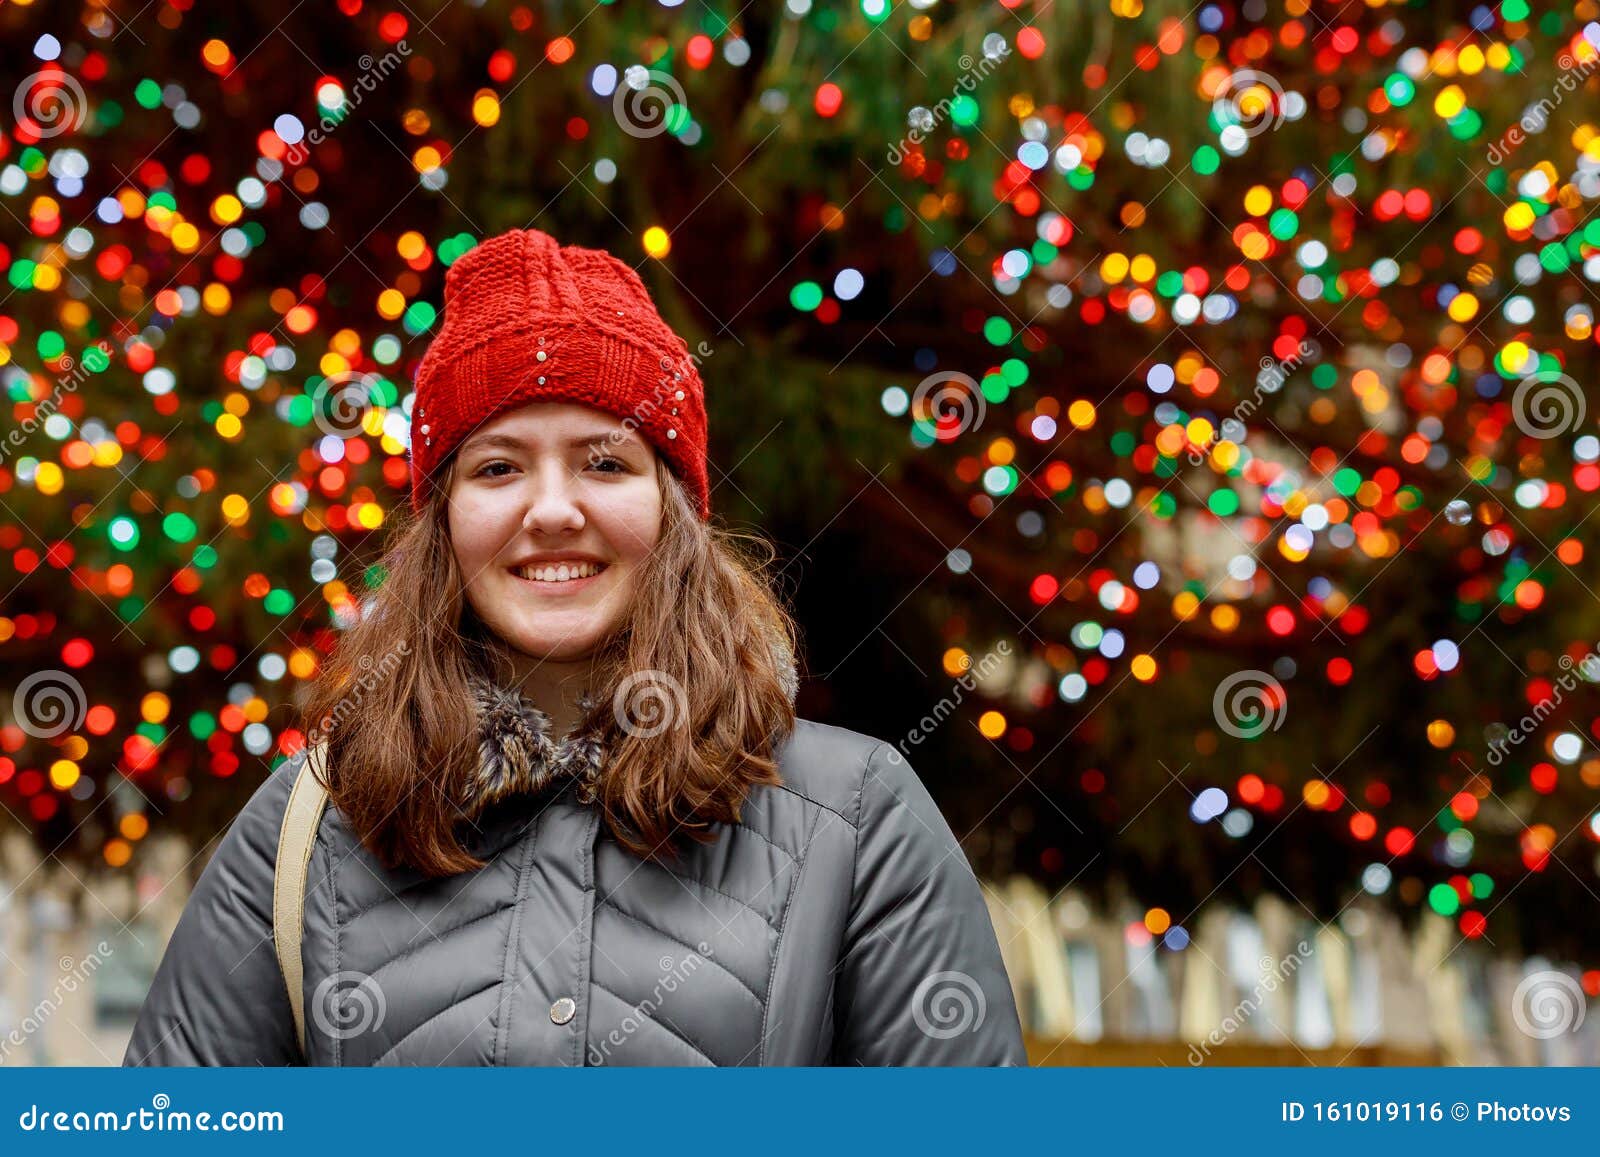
(1173, 422)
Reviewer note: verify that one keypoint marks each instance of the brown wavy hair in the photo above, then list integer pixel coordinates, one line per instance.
(394, 705)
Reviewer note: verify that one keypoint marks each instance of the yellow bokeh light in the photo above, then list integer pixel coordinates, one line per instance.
(226, 209)
(303, 664)
(1519, 217)
(63, 774)
(656, 242)
(486, 108)
(1450, 101)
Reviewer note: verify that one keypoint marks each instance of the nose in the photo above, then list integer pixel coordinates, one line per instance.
(551, 505)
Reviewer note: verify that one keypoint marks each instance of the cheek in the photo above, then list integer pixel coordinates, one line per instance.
(632, 530)
(477, 534)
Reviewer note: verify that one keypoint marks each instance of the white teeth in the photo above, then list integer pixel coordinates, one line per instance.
(561, 572)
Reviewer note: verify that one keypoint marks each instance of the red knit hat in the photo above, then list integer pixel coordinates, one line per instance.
(527, 319)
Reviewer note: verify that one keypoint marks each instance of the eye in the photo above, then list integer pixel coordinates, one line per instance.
(490, 469)
(609, 465)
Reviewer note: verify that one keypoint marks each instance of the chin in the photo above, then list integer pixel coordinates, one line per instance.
(555, 643)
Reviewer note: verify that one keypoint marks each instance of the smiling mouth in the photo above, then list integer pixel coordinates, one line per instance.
(558, 573)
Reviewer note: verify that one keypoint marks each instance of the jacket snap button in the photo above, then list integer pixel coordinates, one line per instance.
(563, 1010)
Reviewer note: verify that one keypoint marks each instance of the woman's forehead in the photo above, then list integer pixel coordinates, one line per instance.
(541, 424)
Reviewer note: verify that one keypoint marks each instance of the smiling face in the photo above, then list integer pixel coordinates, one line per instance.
(554, 508)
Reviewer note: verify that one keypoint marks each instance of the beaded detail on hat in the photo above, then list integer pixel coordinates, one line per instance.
(526, 319)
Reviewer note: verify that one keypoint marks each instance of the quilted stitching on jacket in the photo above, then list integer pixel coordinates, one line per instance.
(823, 913)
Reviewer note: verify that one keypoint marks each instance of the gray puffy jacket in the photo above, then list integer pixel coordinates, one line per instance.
(837, 923)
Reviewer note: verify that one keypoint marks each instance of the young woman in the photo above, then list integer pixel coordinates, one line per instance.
(572, 817)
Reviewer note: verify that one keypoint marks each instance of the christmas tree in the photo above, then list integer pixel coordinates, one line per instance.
(1195, 400)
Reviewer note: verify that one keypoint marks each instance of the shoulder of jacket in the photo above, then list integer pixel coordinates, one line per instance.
(829, 765)
(249, 848)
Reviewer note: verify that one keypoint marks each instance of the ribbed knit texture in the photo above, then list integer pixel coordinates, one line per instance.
(527, 319)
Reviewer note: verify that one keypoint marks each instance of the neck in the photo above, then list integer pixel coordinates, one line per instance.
(555, 687)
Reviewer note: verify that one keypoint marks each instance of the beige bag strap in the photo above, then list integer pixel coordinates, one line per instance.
(295, 840)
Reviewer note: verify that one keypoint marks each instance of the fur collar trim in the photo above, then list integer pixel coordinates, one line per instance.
(518, 751)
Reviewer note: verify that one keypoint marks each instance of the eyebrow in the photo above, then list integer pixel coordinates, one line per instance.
(507, 442)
